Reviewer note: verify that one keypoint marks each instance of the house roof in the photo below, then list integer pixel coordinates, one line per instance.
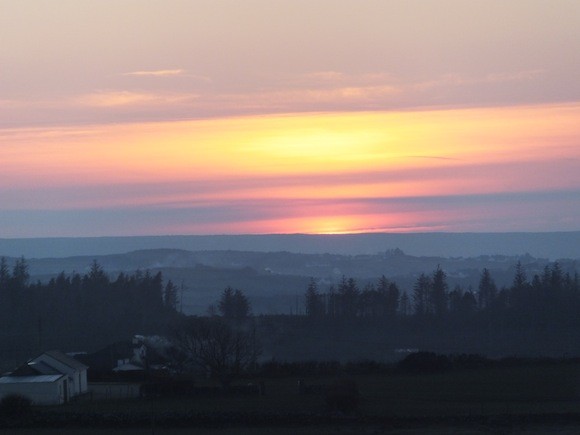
(64, 359)
(29, 379)
(106, 359)
(24, 370)
(35, 368)
(43, 369)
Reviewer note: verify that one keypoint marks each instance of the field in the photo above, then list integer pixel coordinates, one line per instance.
(526, 399)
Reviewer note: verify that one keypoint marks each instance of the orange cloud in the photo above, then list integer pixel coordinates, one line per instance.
(296, 145)
(318, 172)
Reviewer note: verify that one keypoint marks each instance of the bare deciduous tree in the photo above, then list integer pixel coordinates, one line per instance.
(216, 345)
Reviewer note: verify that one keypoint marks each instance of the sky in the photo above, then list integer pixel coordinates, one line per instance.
(134, 117)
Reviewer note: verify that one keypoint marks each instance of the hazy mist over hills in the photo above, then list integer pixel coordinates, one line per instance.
(276, 283)
(551, 245)
(274, 270)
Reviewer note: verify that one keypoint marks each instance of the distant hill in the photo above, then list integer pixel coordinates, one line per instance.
(275, 282)
(274, 269)
(542, 245)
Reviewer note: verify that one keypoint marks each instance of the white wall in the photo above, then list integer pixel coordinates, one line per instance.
(78, 379)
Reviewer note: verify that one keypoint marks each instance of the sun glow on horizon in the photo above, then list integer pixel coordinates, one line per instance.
(316, 173)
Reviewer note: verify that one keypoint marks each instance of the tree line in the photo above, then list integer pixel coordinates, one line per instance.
(537, 316)
(90, 310)
(551, 293)
(79, 310)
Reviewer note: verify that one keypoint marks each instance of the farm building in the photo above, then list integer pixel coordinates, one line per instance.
(75, 370)
(41, 389)
(49, 379)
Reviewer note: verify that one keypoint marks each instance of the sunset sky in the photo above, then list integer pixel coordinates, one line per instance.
(134, 117)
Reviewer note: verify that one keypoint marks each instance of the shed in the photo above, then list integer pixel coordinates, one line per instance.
(49, 379)
(40, 389)
(75, 370)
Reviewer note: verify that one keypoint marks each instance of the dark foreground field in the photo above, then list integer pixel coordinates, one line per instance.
(529, 399)
(330, 430)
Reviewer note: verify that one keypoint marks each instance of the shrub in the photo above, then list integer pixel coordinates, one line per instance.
(15, 407)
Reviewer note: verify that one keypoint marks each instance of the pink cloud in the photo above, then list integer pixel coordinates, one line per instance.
(128, 98)
(157, 73)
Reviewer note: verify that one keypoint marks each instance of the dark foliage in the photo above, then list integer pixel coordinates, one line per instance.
(234, 305)
(225, 349)
(77, 311)
(15, 408)
(537, 317)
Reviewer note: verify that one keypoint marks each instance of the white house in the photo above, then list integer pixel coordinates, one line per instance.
(75, 370)
(49, 379)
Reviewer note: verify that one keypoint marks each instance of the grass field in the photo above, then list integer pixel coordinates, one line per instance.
(533, 389)
(539, 390)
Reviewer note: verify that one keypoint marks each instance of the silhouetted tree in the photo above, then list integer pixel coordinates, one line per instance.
(313, 301)
(348, 295)
(421, 291)
(68, 310)
(438, 295)
(226, 303)
(520, 289)
(20, 274)
(233, 304)
(405, 305)
(96, 278)
(370, 302)
(154, 289)
(468, 304)
(216, 345)
(455, 299)
(487, 290)
(4, 274)
(332, 304)
(388, 297)
(393, 295)
(170, 295)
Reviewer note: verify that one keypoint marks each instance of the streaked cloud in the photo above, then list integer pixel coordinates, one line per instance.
(313, 172)
(321, 91)
(468, 213)
(157, 73)
(456, 79)
(169, 73)
(242, 117)
(127, 98)
(298, 100)
(341, 78)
